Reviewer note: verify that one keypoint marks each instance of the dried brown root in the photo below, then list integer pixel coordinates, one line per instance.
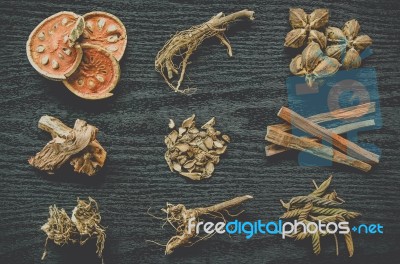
(185, 42)
(81, 227)
(178, 217)
(86, 157)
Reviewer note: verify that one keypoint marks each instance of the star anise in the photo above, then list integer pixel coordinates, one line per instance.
(345, 45)
(305, 27)
(313, 64)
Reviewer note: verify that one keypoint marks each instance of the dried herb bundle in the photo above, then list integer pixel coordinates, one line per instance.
(193, 152)
(185, 42)
(306, 27)
(80, 228)
(345, 45)
(77, 145)
(319, 205)
(178, 217)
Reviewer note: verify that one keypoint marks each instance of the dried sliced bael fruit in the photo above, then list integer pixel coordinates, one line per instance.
(107, 31)
(51, 46)
(97, 74)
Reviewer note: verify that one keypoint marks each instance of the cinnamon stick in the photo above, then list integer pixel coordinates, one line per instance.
(316, 130)
(285, 139)
(274, 149)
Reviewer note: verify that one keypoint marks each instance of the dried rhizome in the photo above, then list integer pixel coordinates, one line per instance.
(328, 49)
(83, 226)
(319, 205)
(182, 45)
(82, 51)
(178, 217)
(77, 145)
(194, 152)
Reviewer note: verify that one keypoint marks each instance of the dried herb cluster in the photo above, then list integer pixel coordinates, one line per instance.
(83, 226)
(341, 47)
(78, 146)
(193, 152)
(319, 205)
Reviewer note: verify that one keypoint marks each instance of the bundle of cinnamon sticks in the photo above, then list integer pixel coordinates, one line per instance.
(343, 151)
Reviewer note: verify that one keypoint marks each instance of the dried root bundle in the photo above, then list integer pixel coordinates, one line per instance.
(80, 228)
(185, 42)
(319, 205)
(178, 217)
(78, 146)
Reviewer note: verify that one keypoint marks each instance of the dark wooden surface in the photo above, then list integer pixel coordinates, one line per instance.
(244, 93)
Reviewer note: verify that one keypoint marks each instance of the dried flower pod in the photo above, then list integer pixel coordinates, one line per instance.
(351, 29)
(336, 51)
(107, 31)
(318, 18)
(311, 56)
(352, 59)
(335, 35)
(96, 76)
(362, 42)
(295, 38)
(317, 37)
(51, 47)
(327, 67)
(298, 18)
(296, 66)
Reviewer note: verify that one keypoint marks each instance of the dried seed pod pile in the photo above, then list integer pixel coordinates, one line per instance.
(193, 152)
(323, 206)
(78, 146)
(83, 226)
(90, 71)
(341, 47)
(178, 217)
(185, 42)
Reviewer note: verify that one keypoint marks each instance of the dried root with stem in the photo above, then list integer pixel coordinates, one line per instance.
(317, 206)
(178, 216)
(83, 226)
(185, 42)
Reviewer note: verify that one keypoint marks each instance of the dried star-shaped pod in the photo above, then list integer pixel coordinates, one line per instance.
(305, 27)
(313, 64)
(193, 152)
(345, 45)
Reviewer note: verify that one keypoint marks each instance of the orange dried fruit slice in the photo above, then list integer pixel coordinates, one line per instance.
(105, 30)
(51, 47)
(97, 74)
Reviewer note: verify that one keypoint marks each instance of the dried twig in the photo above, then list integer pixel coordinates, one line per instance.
(185, 42)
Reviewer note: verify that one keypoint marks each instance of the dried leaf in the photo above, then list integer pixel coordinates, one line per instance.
(318, 18)
(351, 29)
(295, 38)
(298, 18)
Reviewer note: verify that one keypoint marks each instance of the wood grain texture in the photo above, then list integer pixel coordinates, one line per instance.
(244, 93)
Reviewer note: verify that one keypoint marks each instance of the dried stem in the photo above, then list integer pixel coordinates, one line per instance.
(185, 42)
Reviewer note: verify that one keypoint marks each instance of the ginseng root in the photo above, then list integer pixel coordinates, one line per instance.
(178, 217)
(185, 42)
